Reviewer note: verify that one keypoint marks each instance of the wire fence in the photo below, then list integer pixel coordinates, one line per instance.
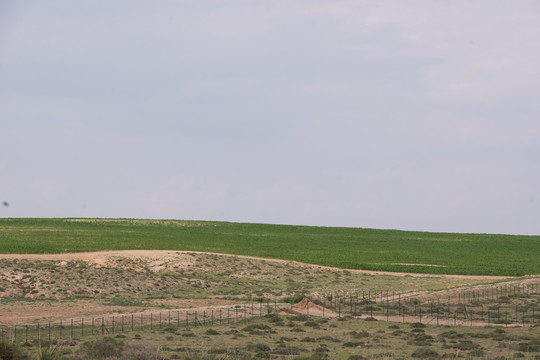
(479, 307)
(116, 324)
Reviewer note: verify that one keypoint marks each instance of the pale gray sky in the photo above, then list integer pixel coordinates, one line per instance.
(415, 115)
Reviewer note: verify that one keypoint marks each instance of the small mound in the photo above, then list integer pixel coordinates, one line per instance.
(307, 307)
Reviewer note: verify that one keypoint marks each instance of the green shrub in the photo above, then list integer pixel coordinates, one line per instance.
(294, 299)
(12, 352)
(49, 353)
(359, 335)
(425, 353)
(353, 344)
(356, 357)
(256, 327)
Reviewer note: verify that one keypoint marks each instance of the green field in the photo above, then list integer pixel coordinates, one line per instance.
(353, 248)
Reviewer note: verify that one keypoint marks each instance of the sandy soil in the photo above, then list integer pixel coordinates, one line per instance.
(307, 307)
(102, 257)
(21, 311)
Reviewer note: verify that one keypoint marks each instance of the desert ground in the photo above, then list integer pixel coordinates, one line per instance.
(61, 286)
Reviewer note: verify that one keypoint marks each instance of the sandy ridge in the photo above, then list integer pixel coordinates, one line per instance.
(101, 257)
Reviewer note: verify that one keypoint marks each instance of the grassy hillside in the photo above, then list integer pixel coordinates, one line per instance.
(354, 248)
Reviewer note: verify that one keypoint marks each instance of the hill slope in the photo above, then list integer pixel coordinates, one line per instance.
(353, 248)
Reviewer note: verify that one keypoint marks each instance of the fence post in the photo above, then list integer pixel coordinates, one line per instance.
(71, 331)
(82, 327)
(102, 325)
(49, 332)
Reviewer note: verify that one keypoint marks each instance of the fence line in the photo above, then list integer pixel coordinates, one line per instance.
(464, 307)
(120, 323)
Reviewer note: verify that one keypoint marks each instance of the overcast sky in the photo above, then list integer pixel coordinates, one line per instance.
(414, 115)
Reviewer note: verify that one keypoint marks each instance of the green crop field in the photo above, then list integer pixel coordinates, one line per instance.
(353, 248)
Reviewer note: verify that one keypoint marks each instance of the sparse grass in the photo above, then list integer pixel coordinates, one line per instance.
(353, 248)
(334, 340)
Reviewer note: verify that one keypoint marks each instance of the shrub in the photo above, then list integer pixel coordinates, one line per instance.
(48, 353)
(359, 335)
(466, 345)
(353, 344)
(422, 340)
(451, 335)
(356, 357)
(140, 350)
(425, 353)
(258, 347)
(287, 350)
(531, 346)
(300, 317)
(101, 348)
(12, 352)
(256, 327)
(294, 299)
(211, 332)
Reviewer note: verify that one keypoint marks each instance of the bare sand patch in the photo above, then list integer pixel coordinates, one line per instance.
(307, 307)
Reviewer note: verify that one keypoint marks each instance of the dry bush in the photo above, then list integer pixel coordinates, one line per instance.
(140, 350)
